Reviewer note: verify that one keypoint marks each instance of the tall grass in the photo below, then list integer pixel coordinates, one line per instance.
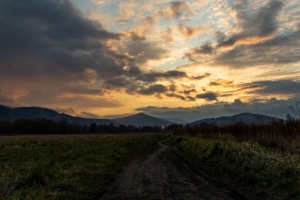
(256, 171)
(282, 135)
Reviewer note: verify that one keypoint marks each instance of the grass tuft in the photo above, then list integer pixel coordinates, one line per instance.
(262, 172)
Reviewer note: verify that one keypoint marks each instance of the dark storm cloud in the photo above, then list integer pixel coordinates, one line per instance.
(209, 96)
(288, 87)
(153, 89)
(53, 38)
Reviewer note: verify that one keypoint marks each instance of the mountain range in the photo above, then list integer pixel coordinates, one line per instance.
(247, 118)
(140, 119)
(11, 113)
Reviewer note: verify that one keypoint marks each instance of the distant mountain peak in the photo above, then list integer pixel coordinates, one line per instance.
(142, 119)
(141, 114)
(248, 118)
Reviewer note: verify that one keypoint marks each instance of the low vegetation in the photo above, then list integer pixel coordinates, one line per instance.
(66, 166)
(259, 172)
(261, 160)
(283, 135)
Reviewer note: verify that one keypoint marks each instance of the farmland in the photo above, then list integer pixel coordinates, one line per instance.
(66, 166)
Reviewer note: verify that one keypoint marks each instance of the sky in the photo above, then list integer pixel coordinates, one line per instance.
(173, 59)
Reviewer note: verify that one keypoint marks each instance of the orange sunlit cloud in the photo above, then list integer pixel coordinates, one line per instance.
(114, 58)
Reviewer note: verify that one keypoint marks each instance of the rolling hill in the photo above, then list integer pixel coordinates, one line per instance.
(11, 113)
(247, 118)
(142, 119)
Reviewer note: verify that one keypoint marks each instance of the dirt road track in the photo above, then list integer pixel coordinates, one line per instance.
(158, 178)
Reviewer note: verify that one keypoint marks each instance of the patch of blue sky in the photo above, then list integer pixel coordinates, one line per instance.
(82, 5)
(171, 64)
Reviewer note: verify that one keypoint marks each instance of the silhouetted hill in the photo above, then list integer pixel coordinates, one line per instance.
(11, 113)
(142, 119)
(177, 121)
(247, 118)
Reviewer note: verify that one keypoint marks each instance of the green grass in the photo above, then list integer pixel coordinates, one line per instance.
(66, 167)
(259, 172)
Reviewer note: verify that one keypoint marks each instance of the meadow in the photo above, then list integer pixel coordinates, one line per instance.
(261, 161)
(66, 166)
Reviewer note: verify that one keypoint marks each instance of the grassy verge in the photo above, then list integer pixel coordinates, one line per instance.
(66, 167)
(261, 173)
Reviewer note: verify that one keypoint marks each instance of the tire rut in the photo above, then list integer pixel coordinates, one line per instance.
(158, 178)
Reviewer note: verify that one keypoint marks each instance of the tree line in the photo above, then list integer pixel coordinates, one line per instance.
(271, 134)
(48, 126)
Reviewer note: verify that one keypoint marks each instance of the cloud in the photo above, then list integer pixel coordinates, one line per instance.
(190, 31)
(220, 82)
(206, 75)
(282, 49)
(190, 98)
(173, 87)
(153, 89)
(288, 87)
(89, 115)
(153, 76)
(256, 28)
(52, 40)
(177, 9)
(136, 38)
(254, 41)
(4, 98)
(187, 92)
(272, 107)
(176, 96)
(137, 81)
(144, 52)
(68, 111)
(209, 96)
(200, 52)
(46, 35)
(51, 99)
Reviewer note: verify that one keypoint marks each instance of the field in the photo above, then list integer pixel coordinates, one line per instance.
(255, 170)
(66, 166)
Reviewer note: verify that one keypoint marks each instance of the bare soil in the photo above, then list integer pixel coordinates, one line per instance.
(164, 175)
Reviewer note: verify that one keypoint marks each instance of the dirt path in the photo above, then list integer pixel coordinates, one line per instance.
(158, 178)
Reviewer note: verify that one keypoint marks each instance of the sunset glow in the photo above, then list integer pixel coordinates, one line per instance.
(186, 59)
